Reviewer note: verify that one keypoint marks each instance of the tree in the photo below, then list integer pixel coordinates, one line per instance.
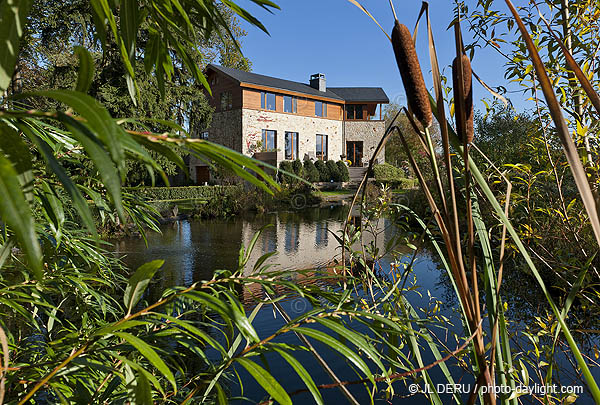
(503, 135)
(47, 62)
(395, 154)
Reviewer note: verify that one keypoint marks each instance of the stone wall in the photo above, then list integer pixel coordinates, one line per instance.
(370, 132)
(253, 122)
(225, 129)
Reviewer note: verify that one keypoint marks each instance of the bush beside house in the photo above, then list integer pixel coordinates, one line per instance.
(343, 168)
(319, 171)
(324, 174)
(311, 174)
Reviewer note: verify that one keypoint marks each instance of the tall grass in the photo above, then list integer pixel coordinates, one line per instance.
(460, 234)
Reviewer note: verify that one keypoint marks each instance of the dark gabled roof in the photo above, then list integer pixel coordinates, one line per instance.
(354, 93)
(281, 84)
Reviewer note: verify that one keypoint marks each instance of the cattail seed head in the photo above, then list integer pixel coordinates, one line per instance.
(410, 71)
(468, 98)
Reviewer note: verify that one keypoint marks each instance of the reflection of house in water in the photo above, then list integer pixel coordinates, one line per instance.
(193, 250)
(301, 245)
(292, 237)
(321, 236)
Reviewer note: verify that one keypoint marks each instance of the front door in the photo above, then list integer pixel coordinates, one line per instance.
(202, 175)
(354, 153)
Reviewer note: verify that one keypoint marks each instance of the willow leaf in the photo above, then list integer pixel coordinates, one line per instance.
(266, 381)
(149, 353)
(138, 282)
(13, 17)
(16, 212)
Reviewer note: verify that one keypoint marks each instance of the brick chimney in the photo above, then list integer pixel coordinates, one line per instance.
(317, 81)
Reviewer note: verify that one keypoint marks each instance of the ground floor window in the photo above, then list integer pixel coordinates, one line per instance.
(291, 145)
(269, 140)
(321, 147)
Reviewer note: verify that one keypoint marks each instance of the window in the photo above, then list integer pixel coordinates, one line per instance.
(226, 101)
(269, 140)
(291, 145)
(204, 135)
(321, 147)
(319, 108)
(267, 101)
(354, 112)
(290, 104)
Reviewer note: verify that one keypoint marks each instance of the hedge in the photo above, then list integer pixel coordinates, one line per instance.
(185, 193)
(324, 174)
(393, 176)
(343, 168)
(311, 174)
(286, 166)
(334, 171)
(386, 172)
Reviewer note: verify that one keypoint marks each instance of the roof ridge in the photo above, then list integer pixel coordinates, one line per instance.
(377, 94)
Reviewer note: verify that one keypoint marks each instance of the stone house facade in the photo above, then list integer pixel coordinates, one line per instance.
(273, 119)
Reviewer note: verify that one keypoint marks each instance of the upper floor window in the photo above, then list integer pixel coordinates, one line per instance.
(226, 101)
(320, 109)
(290, 104)
(354, 112)
(268, 101)
(204, 135)
(269, 140)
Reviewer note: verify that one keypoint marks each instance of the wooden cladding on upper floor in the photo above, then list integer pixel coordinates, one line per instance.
(226, 93)
(263, 100)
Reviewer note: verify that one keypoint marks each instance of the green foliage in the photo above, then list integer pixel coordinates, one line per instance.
(73, 333)
(298, 169)
(334, 171)
(285, 166)
(188, 192)
(385, 172)
(503, 136)
(343, 169)
(395, 154)
(311, 174)
(324, 174)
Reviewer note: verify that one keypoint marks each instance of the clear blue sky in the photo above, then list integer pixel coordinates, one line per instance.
(336, 38)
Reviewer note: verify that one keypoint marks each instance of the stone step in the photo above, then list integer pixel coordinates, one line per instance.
(357, 173)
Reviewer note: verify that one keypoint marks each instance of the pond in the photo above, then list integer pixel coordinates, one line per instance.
(194, 249)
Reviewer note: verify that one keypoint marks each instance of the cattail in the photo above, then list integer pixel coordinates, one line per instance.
(468, 98)
(410, 71)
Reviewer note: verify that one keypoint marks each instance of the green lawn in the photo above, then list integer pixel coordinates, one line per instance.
(334, 192)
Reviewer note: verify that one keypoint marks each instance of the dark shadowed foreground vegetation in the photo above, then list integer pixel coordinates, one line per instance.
(76, 325)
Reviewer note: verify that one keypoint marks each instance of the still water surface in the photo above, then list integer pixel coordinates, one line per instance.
(194, 249)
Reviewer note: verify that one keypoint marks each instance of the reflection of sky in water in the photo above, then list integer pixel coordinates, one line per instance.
(192, 250)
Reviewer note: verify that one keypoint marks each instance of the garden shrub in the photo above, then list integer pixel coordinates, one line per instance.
(392, 176)
(385, 172)
(324, 173)
(311, 173)
(343, 168)
(184, 193)
(333, 170)
(298, 169)
(286, 166)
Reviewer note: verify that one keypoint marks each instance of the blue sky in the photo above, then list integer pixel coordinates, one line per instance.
(335, 38)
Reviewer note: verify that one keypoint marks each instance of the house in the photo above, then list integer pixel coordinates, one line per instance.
(274, 119)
